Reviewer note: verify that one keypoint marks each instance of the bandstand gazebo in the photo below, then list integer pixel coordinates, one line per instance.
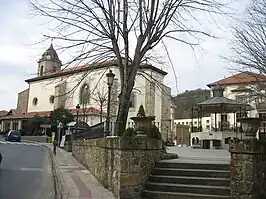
(224, 126)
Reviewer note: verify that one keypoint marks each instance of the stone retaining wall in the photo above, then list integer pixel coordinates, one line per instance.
(120, 164)
(248, 169)
(34, 138)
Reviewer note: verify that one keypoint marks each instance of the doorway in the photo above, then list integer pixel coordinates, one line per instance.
(206, 144)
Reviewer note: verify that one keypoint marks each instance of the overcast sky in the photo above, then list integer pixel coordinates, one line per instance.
(19, 53)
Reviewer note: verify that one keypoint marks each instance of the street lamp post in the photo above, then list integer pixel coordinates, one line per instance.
(77, 119)
(110, 80)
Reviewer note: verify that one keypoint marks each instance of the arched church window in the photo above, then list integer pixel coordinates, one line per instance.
(51, 100)
(84, 95)
(132, 102)
(35, 101)
(41, 70)
(193, 141)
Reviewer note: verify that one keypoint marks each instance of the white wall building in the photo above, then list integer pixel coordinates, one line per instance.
(84, 85)
(205, 123)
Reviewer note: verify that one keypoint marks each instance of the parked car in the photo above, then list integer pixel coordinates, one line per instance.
(13, 136)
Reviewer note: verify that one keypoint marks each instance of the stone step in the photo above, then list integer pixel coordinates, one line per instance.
(191, 172)
(182, 165)
(174, 195)
(190, 180)
(183, 188)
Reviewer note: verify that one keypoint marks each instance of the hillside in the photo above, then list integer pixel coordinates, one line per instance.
(186, 100)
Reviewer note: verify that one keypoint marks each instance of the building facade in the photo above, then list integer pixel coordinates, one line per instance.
(216, 130)
(54, 87)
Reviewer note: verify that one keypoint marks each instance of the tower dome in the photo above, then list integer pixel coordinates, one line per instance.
(49, 62)
(50, 54)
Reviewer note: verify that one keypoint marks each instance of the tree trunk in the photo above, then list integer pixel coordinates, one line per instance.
(101, 113)
(121, 119)
(124, 100)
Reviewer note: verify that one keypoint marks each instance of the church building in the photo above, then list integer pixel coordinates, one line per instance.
(56, 86)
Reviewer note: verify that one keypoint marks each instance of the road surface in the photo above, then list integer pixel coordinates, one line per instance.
(25, 172)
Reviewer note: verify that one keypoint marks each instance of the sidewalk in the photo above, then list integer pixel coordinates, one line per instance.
(77, 181)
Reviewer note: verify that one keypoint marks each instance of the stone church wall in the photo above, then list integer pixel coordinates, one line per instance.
(149, 98)
(166, 112)
(60, 95)
(22, 104)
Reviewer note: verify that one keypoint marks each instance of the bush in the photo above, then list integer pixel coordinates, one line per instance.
(129, 132)
(141, 112)
(155, 133)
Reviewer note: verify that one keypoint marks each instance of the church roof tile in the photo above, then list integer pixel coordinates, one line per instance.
(98, 65)
(240, 78)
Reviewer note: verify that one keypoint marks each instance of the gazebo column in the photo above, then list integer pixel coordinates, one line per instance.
(198, 109)
(192, 119)
(215, 121)
(201, 115)
(235, 123)
(221, 117)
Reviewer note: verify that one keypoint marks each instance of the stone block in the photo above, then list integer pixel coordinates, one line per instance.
(129, 179)
(247, 146)
(248, 168)
(130, 193)
(124, 164)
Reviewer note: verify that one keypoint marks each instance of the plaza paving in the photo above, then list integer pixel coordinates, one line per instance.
(188, 154)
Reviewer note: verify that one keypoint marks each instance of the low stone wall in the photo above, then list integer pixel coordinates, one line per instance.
(34, 138)
(120, 164)
(248, 169)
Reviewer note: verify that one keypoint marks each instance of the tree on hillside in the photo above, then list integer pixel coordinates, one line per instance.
(62, 115)
(126, 30)
(249, 44)
(185, 101)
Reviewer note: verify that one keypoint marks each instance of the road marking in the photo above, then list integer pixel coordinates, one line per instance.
(31, 169)
(19, 143)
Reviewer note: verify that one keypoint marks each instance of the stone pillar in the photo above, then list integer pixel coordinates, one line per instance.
(19, 124)
(149, 98)
(165, 112)
(248, 169)
(211, 144)
(11, 125)
(2, 125)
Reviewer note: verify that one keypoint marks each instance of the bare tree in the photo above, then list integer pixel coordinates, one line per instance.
(100, 97)
(125, 30)
(249, 45)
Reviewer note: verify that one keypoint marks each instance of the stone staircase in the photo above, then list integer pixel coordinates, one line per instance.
(182, 180)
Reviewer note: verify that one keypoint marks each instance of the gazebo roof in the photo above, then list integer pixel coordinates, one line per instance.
(222, 104)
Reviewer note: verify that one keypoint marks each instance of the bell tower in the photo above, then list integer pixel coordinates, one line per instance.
(49, 62)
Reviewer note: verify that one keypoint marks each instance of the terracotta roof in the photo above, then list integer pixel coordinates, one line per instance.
(3, 113)
(76, 69)
(27, 115)
(90, 111)
(240, 78)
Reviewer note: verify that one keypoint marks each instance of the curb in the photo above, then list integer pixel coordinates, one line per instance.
(29, 141)
(58, 177)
